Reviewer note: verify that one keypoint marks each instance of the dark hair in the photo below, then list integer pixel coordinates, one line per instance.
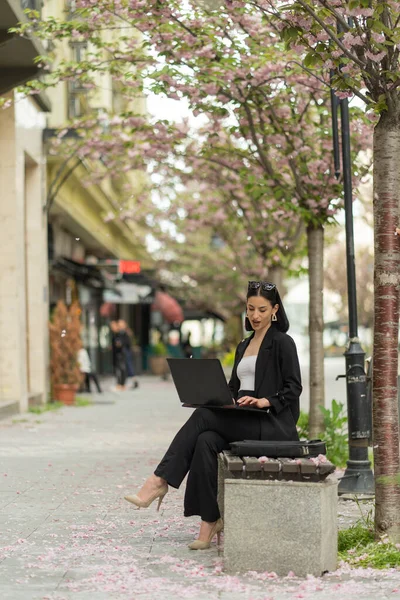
(269, 291)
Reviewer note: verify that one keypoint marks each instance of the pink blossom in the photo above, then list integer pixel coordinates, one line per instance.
(350, 39)
(379, 38)
(343, 94)
(361, 12)
(376, 57)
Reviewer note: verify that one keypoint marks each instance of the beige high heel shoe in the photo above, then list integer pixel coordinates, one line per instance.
(216, 530)
(160, 493)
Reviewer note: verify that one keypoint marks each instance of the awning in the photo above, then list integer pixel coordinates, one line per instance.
(87, 274)
(129, 293)
(168, 307)
(197, 314)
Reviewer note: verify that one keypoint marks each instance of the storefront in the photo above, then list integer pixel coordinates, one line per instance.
(131, 301)
(71, 281)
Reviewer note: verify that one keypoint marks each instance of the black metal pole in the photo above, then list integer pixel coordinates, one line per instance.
(358, 477)
(335, 129)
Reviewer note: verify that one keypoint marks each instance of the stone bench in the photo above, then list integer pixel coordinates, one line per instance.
(280, 515)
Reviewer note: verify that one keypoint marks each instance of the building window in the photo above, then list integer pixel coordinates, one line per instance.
(31, 5)
(76, 92)
(70, 7)
(78, 50)
(75, 107)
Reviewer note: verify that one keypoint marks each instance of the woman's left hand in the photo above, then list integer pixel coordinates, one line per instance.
(257, 402)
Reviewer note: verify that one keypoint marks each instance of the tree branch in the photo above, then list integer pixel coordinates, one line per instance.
(333, 37)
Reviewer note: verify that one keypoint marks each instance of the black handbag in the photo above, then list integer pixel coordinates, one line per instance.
(257, 448)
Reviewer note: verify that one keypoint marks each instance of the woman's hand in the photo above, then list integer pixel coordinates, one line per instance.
(257, 402)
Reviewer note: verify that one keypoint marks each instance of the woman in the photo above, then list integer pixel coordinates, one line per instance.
(265, 382)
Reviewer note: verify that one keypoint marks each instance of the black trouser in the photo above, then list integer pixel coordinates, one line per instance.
(120, 369)
(195, 449)
(88, 377)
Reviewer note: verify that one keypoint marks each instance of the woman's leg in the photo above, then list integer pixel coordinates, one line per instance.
(117, 372)
(87, 382)
(202, 482)
(123, 375)
(96, 382)
(228, 424)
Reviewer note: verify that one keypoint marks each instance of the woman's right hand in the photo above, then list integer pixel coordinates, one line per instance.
(256, 402)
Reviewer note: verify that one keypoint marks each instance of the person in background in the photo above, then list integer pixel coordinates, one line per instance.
(126, 336)
(119, 362)
(187, 347)
(85, 367)
(114, 331)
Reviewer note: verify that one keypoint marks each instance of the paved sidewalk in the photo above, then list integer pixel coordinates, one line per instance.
(66, 532)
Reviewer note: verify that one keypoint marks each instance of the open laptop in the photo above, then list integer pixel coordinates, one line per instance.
(201, 382)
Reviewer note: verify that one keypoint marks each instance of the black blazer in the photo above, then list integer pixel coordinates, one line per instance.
(278, 379)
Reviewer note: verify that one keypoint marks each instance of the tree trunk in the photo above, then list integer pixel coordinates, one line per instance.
(276, 275)
(315, 243)
(386, 327)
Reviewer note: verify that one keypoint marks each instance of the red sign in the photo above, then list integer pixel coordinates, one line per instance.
(129, 266)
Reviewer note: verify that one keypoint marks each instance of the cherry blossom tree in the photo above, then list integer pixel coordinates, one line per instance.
(230, 67)
(267, 123)
(359, 42)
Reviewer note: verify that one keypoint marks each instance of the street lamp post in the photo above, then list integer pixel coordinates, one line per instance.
(358, 477)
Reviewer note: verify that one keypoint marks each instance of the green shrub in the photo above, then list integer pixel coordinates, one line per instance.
(159, 349)
(302, 426)
(335, 434)
(228, 359)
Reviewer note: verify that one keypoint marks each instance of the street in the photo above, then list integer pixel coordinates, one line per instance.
(66, 532)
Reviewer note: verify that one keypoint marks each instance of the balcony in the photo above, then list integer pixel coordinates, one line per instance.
(17, 54)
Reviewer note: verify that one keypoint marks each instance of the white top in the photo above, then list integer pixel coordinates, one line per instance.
(246, 371)
(84, 361)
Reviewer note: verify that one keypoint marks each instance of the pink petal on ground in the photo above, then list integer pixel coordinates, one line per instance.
(263, 459)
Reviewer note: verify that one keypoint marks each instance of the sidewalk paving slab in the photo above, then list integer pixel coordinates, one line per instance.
(66, 531)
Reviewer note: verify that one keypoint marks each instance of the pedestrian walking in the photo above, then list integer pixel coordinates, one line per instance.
(119, 360)
(126, 336)
(85, 367)
(266, 376)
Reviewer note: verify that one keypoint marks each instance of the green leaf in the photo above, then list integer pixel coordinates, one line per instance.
(312, 59)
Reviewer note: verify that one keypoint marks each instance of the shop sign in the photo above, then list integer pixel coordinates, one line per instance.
(129, 267)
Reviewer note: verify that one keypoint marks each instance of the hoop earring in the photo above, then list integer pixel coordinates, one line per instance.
(274, 317)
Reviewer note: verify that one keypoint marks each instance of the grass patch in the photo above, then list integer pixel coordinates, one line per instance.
(43, 408)
(38, 410)
(14, 421)
(82, 401)
(358, 548)
(357, 536)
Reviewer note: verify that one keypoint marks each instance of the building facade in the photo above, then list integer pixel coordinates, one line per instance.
(82, 236)
(23, 224)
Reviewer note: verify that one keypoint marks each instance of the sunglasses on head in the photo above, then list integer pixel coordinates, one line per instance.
(264, 285)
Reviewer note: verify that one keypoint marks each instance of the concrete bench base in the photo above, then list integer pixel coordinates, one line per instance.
(279, 526)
